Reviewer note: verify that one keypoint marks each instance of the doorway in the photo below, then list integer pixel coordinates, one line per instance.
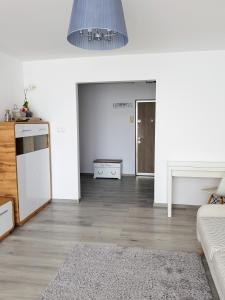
(145, 137)
(107, 130)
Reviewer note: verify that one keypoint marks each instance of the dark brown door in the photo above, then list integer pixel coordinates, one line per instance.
(145, 137)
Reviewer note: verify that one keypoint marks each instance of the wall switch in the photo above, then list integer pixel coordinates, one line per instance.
(60, 129)
(131, 119)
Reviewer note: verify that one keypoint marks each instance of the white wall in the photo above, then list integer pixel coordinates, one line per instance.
(189, 117)
(11, 83)
(106, 132)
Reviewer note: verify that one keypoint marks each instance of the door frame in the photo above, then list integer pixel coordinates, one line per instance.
(136, 136)
(77, 137)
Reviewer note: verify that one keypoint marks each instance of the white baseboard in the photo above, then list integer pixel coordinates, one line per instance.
(164, 205)
(75, 201)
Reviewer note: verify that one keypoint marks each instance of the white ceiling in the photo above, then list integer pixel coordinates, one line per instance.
(36, 29)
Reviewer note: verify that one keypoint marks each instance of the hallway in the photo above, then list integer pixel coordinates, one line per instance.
(130, 189)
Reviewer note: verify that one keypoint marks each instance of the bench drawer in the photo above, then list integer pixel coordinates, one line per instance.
(107, 172)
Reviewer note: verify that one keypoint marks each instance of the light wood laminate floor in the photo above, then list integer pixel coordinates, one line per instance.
(111, 212)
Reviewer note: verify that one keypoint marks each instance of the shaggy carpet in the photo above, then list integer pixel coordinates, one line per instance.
(113, 273)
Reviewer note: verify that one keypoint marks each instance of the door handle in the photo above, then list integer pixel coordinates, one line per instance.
(140, 139)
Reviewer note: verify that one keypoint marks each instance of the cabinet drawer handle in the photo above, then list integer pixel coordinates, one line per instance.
(41, 129)
(4, 212)
(100, 172)
(113, 172)
(26, 130)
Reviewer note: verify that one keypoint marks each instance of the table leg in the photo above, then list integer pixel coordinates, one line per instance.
(169, 193)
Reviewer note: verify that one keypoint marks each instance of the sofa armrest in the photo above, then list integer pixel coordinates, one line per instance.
(212, 210)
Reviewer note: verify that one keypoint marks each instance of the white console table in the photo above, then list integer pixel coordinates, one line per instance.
(191, 169)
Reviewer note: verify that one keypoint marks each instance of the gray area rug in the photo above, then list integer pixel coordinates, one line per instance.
(111, 273)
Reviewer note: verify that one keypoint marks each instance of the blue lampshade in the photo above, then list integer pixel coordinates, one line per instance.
(97, 25)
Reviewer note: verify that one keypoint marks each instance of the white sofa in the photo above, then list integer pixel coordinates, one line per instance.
(211, 235)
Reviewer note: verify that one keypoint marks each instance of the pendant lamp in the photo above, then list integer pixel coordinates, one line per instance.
(97, 25)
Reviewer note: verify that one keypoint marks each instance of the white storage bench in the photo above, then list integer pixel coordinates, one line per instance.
(108, 168)
(6, 217)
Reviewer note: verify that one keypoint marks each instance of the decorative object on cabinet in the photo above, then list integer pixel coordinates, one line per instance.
(25, 108)
(6, 217)
(8, 116)
(28, 89)
(108, 168)
(16, 113)
(25, 167)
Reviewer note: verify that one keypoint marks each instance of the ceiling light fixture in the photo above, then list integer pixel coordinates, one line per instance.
(97, 25)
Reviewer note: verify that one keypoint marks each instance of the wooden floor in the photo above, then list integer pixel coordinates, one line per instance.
(111, 212)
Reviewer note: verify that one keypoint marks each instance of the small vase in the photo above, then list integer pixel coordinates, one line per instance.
(29, 114)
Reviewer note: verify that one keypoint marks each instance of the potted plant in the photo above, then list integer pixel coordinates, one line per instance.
(25, 110)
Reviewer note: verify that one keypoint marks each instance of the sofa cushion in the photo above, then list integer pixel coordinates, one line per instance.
(219, 270)
(211, 210)
(212, 235)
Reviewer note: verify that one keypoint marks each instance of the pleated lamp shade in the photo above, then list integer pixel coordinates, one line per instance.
(97, 25)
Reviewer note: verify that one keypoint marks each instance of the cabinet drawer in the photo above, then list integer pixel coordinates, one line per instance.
(25, 130)
(112, 172)
(6, 218)
(107, 173)
(41, 129)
